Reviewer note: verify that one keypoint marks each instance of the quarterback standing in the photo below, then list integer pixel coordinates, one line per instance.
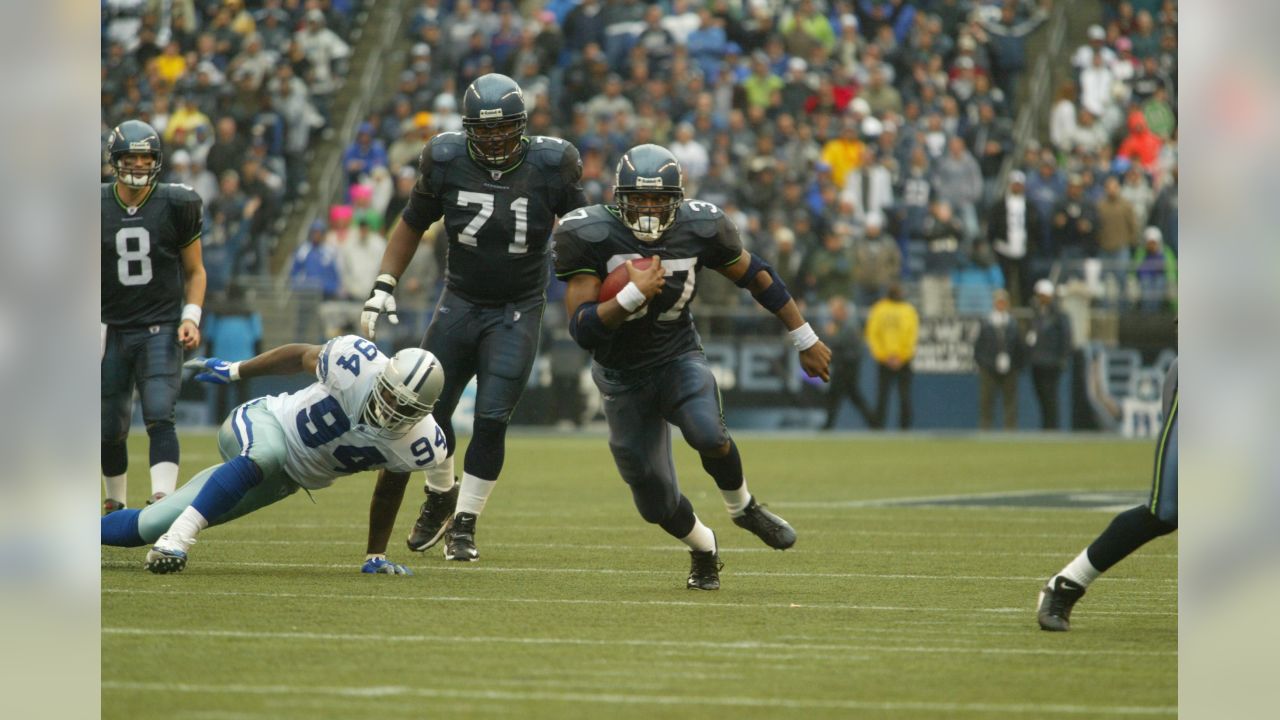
(648, 359)
(499, 193)
(153, 284)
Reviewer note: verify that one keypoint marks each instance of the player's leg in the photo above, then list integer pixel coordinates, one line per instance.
(1127, 532)
(689, 399)
(905, 377)
(507, 348)
(640, 442)
(117, 407)
(158, 375)
(258, 466)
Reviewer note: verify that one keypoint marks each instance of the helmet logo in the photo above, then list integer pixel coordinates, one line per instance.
(491, 113)
(653, 182)
(140, 145)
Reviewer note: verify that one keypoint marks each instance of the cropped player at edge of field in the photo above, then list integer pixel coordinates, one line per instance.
(648, 359)
(499, 193)
(363, 412)
(153, 283)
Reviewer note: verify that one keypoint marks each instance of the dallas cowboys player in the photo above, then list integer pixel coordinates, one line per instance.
(364, 412)
(151, 266)
(649, 364)
(499, 193)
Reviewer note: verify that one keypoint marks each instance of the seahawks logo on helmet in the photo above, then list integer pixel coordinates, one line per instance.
(494, 118)
(648, 188)
(134, 137)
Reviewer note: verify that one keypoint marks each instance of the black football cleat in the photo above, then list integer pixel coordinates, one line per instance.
(109, 506)
(436, 511)
(773, 530)
(460, 538)
(704, 570)
(1056, 600)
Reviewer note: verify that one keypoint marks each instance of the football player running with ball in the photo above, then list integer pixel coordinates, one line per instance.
(499, 193)
(153, 283)
(648, 359)
(364, 412)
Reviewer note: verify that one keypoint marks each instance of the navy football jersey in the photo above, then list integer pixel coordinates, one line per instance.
(594, 240)
(498, 222)
(142, 277)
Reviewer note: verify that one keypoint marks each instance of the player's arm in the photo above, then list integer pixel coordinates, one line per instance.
(192, 258)
(752, 273)
(592, 322)
(284, 360)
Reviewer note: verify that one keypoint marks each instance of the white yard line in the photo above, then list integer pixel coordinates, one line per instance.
(637, 699)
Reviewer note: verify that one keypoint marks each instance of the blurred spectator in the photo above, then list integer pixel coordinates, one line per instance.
(363, 154)
(957, 180)
(1075, 223)
(322, 48)
(692, 155)
(999, 354)
(233, 331)
(877, 261)
(315, 264)
(1062, 120)
(916, 194)
(831, 266)
(1097, 86)
(1165, 213)
(843, 154)
(1085, 54)
(1155, 268)
(359, 258)
(1012, 227)
(1007, 42)
(1138, 192)
(845, 339)
(868, 189)
(991, 138)
(1159, 114)
(944, 248)
(1146, 39)
(805, 28)
(1089, 135)
(892, 334)
(584, 25)
(1117, 231)
(227, 149)
(1049, 348)
(340, 219)
(1141, 145)
(975, 281)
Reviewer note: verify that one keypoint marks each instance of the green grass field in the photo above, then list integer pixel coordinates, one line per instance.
(577, 608)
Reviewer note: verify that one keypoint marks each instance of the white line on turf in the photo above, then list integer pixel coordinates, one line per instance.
(204, 592)
(473, 694)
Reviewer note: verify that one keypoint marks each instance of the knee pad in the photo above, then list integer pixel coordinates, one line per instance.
(487, 451)
(656, 501)
(164, 442)
(115, 457)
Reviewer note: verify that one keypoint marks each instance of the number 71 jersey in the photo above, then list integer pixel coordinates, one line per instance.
(325, 428)
(142, 253)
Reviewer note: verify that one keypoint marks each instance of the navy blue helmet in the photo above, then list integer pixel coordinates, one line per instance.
(135, 137)
(494, 118)
(648, 188)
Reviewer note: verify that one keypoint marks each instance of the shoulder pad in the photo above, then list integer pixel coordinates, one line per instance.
(447, 146)
(178, 192)
(592, 223)
(699, 217)
(550, 147)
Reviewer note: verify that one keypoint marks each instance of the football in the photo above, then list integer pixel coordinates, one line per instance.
(619, 278)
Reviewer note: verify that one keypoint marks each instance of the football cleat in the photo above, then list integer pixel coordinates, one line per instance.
(460, 538)
(704, 570)
(155, 498)
(435, 514)
(162, 560)
(773, 530)
(1056, 600)
(109, 506)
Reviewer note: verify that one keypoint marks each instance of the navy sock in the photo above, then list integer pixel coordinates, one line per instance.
(727, 470)
(115, 458)
(680, 524)
(1129, 531)
(226, 487)
(164, 442)
(120, 529)
(487, 450)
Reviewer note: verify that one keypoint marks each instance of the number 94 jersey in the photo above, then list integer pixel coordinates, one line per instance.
(324, 429)
(594, 240)
(142, 253)
(498, 222)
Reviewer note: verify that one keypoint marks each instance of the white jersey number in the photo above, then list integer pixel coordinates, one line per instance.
(140, 255)
(519, 206)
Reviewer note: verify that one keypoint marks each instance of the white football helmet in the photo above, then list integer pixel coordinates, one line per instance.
(406, 391)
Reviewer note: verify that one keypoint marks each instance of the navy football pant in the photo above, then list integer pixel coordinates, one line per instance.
(640, 405)
(150, 359)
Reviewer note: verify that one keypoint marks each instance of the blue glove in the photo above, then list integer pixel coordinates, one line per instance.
(217, 371)
(381, 566)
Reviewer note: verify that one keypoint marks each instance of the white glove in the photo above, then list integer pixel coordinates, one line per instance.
(380, 301)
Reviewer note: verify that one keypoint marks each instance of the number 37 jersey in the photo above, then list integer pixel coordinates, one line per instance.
(498, 223)
(142, 274)
(324, 428)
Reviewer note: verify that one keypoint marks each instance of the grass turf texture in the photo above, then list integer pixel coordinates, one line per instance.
(577, 608)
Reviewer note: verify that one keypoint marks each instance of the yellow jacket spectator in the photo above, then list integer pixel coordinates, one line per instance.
(893, 327)
(170, 64)
(761, 84)
(843, 154)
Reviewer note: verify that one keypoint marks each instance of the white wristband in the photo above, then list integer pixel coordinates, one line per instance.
(233, 371)
(804, 337)
(191, 312)
(630, 297)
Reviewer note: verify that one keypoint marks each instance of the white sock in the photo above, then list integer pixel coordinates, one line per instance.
(1080, 570)
(440, 477)
(164, 478)
(182, 533)
(700, 538)
(116, 486)
(736, 501)
(473, 493)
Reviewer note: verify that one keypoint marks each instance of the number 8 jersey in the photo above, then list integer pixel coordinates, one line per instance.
(324, 425)
(498, 221)
(142, 253)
